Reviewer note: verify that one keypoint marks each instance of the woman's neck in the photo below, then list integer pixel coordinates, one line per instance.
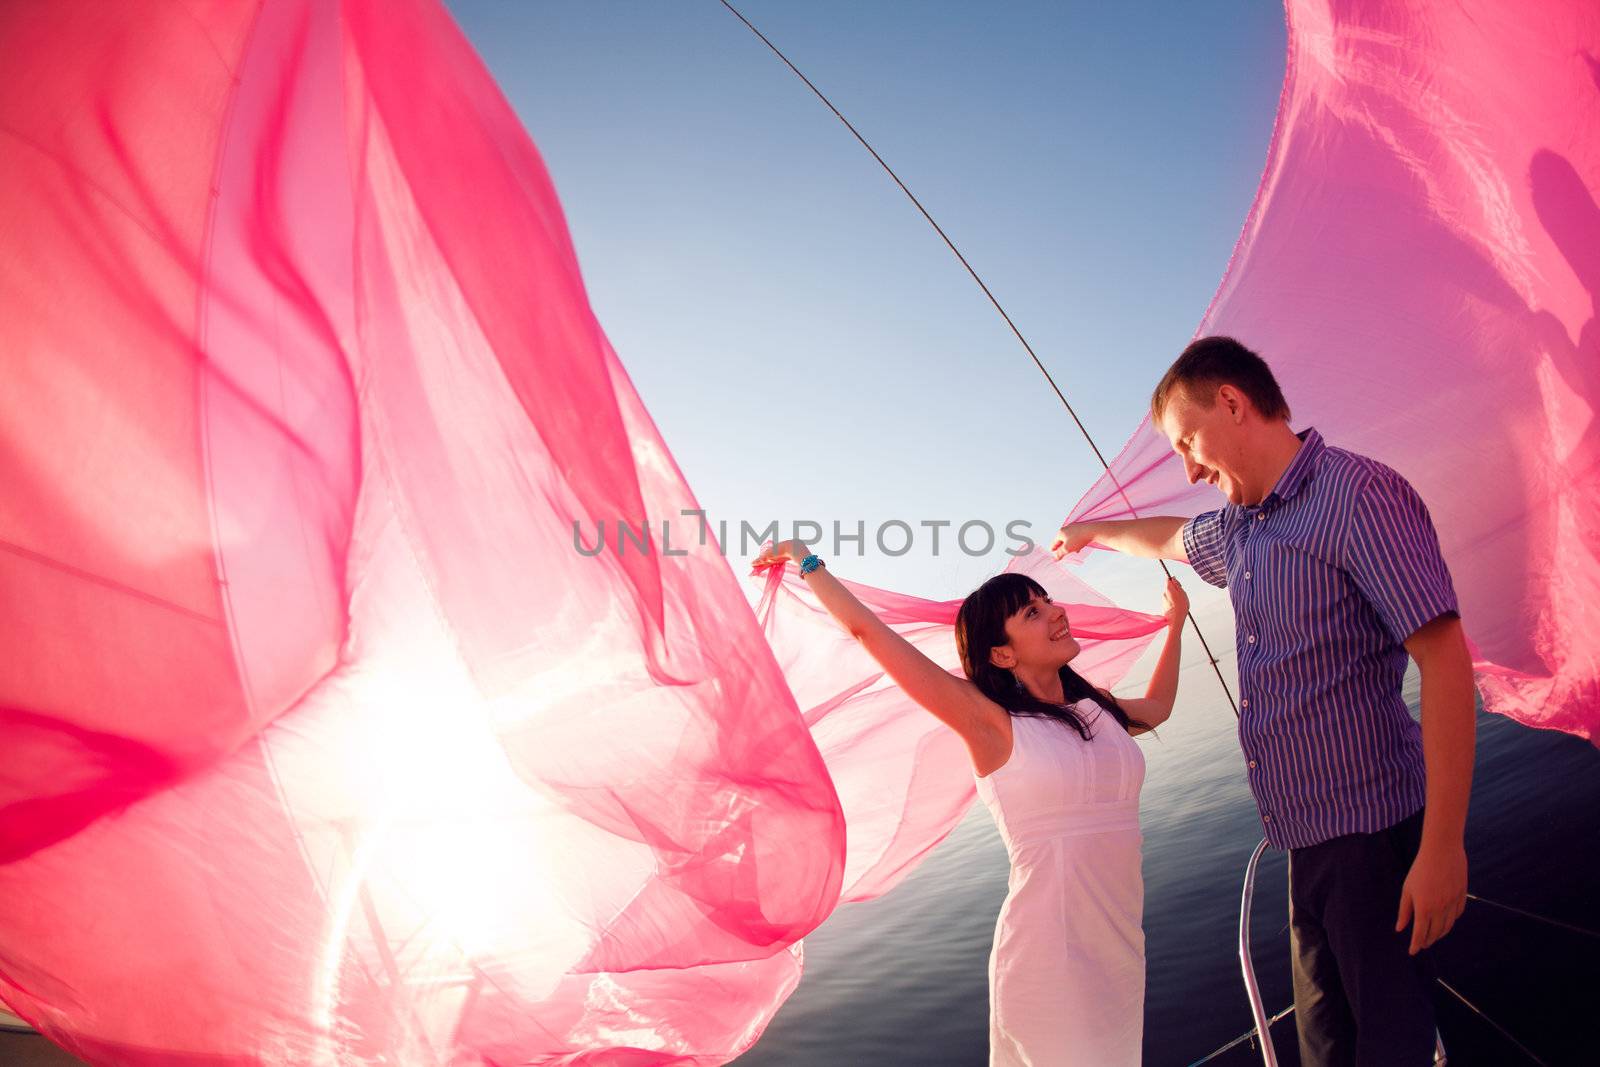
(1044, 684)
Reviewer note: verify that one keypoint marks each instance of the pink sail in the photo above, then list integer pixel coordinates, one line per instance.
(1422, 269)
(330, 736)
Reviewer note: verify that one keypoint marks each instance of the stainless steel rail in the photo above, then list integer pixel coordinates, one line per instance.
(1258, 1011)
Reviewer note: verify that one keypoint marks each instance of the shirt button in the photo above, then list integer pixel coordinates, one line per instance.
(1251, 639)
(1266, 818)
(1252, 765)
(1247, 576)
(1260, 516)
(1245, 703)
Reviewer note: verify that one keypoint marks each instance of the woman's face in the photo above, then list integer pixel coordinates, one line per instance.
(1038, 635)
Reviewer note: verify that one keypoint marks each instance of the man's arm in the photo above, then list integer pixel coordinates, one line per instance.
(1160, 537)
(1435, 890)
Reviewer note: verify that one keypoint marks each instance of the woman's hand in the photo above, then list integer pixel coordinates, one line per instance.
(775, 555)
(1176, 608)
(1155, 707)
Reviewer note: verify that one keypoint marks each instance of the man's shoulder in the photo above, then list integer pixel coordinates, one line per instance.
(1217, 520)
(1342, 469)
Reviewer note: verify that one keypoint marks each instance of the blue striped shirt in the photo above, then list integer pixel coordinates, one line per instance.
(1329, 575)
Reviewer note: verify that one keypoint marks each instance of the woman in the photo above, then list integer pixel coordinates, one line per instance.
(1057, 768)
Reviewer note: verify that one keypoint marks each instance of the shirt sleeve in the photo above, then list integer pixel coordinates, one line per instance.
(1204, 542)
(1393, 554)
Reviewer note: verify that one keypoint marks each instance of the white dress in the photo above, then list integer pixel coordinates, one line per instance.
(1066, 976)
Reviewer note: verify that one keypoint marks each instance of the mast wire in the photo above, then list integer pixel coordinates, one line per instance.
(1193, 622)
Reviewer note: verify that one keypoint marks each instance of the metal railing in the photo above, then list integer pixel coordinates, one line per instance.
(1252, 989)
(1258, 1011)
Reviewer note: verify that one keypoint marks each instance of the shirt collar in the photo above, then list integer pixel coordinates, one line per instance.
(1300, 469)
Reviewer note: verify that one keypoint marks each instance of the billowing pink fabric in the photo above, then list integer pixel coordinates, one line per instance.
(904, 780)
(1422, 269)
(327, 739)
(324, 741)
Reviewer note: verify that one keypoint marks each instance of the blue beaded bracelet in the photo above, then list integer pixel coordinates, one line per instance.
(810, 563)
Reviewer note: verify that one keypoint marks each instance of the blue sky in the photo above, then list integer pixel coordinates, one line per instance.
(808, 347)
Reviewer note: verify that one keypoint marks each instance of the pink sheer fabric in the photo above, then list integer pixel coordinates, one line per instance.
(904, 780)
(1422, 269)
(324, 743)
(328, 738)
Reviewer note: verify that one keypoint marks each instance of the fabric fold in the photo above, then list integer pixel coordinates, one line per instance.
(1419, 269)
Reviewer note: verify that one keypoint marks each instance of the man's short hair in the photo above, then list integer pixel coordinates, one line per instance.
(1214, 361)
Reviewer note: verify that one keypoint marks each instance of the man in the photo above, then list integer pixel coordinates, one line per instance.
(1335, 574)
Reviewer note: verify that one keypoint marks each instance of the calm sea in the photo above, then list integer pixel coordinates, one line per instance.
(902, 980)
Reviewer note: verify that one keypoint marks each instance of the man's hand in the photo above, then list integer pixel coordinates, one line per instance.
(1158, 537)
(1434, 895)
(1436, 888)
(1071, 538)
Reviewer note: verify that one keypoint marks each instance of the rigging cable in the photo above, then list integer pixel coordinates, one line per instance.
(1253, 1037)
(1498, 1028)
(1557, 923)
(1253, 1033)
(1206, 645)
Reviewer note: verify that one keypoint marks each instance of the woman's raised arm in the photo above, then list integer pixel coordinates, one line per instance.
(1155, 707)
(981, 722)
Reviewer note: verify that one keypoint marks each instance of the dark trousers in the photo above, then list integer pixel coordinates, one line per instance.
(1360, 998)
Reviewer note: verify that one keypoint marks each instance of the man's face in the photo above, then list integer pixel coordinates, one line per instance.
(1209, 439)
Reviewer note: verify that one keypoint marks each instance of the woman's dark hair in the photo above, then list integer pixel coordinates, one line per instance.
(981, 627)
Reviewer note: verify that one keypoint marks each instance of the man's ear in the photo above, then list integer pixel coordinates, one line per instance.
(1233, 401)
(1002, 656)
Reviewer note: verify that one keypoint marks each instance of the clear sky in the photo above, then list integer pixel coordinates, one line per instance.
(808, 347)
